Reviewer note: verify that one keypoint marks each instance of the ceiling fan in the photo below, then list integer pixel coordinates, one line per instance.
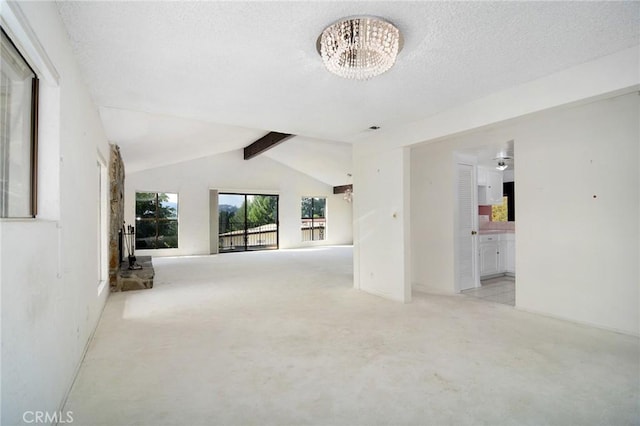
(503, 162)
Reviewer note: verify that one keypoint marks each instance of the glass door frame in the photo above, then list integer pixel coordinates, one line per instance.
(246, 246)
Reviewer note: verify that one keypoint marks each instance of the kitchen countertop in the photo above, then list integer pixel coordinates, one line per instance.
(496, 231)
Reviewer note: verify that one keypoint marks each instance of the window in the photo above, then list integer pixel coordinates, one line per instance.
(505, 212)
(247, 222)
(313, 218)
(156, 220)
(103, 230)
(18, 135)
(499, 212)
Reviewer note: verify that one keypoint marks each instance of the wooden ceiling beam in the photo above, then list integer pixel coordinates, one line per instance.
(265, 143)
(342, 189)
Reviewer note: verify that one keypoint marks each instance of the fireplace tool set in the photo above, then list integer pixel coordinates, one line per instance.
(129, 234)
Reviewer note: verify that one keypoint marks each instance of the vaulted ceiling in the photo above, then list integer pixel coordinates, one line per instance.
(180, 80)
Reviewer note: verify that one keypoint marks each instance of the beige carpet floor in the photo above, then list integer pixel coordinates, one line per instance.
(282, 338)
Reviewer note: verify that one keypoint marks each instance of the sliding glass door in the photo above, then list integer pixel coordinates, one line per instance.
(247, 222)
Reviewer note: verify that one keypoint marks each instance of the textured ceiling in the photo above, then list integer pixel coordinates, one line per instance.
(254, 65)
(156, 140)
(329, 162)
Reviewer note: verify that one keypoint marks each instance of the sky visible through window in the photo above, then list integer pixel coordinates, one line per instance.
(230, 200)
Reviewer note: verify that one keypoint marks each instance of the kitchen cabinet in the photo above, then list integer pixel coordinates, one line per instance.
(509, 249)
(482, 176)
(489, 187)
(496, 254)
(489, 253)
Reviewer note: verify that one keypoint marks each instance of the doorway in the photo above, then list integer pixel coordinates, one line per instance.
(247, 222)
(492, 223)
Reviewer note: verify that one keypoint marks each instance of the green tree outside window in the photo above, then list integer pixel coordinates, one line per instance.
(499, 213)
(313, 211)
(156, 220)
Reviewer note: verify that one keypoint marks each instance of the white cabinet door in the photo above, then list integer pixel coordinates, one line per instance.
(510, 256)
(482, 176)
(497, 254)
(489, 187)
(494, 187)
(482, 195)
(489, 258)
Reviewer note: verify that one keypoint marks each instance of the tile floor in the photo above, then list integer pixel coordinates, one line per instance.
(497, 290)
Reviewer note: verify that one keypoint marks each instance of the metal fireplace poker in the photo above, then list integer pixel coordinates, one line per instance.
(129, 233)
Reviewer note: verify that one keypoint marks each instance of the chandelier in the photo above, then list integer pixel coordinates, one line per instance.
(359, 47)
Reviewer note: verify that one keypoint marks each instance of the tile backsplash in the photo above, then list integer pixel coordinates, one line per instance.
(486, 224)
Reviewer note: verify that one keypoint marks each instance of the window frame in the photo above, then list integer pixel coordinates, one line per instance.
(245, 235)
(157, 221)
(324, 217)
(33, 128)
(103, 221)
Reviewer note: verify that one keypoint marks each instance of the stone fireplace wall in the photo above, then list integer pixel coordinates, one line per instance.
(116, 218)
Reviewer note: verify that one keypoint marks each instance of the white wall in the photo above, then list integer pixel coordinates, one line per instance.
(381, 224)
(229, 172)
(432, 218)
(576, 254)
(600, 77)
(49, 266)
